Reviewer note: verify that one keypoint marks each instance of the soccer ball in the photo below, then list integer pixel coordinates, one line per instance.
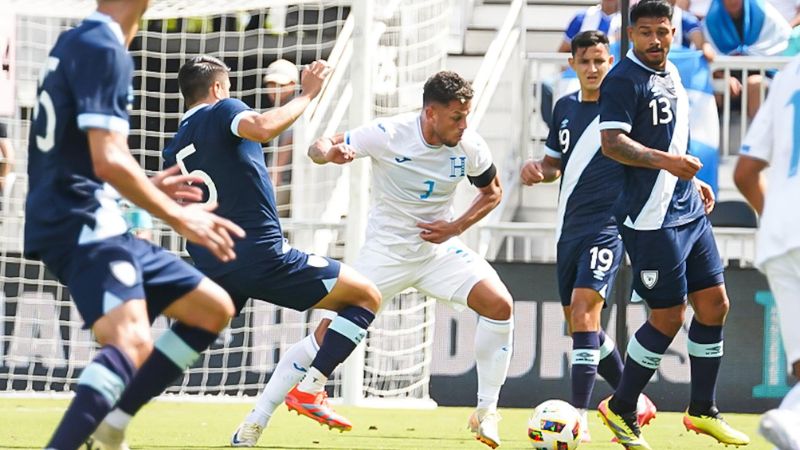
(555, 425)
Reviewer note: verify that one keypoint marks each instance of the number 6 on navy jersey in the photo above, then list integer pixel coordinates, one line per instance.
(183, 154)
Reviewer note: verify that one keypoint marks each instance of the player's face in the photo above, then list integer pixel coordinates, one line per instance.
(652, 38)
(591, 64)
(449, 121)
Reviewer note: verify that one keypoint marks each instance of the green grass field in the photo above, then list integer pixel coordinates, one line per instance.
(27, 424)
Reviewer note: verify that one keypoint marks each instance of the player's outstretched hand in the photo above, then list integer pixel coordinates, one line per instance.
(179, 187)
(532, 173)
(437, 231)
(199, 225)
(314, 76)
(706, 194)
(341, 154)
(684, 167)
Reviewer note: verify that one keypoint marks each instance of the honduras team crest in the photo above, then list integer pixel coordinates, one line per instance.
(649, 278)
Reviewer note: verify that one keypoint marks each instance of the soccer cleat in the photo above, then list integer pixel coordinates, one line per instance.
(483, 423)
(246, 435)
(715, 426)
(315, 406)
(645, 410)
(781, 427)
(106, 437)
(625, 428)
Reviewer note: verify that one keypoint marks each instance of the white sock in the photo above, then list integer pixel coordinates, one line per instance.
(291, 368)
(313, 382)
(792, 399)
(492, 356)
(118, 419)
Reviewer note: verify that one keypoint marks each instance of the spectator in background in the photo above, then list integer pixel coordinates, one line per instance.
(688, 33)
(789, 9)
(748, 28)
(698, 8)
(603, 17)
(6, 158)
(281, 82)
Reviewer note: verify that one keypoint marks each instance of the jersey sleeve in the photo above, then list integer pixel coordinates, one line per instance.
(479, 157)
(689, 24)
(231, 111)
(618, 102)
(758, 142)
(574, 27)
(370, 139)
(551, 145)
(100, 81)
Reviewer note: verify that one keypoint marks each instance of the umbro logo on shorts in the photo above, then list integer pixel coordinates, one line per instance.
(649, 278)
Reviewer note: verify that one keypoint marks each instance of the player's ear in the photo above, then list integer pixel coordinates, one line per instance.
(610, 60)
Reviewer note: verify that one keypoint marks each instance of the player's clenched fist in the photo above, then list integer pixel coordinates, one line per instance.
(684, 167)
(532, 173)
(340, 154)
(314, 76)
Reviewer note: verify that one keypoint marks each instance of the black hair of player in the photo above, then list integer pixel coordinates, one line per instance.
(197, 75)
(589, 38)
(651, 8)
(446, 86)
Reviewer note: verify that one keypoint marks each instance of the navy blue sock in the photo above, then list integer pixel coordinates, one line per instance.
(705, 356)
(175, 351)
(585, 356)
(610, 365)
(645, 350)
(99, 387)
(344, 333)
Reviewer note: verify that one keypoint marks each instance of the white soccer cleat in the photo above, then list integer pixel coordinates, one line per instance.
(106, 437)
(782, 428)
(483, 423)
(246, 435)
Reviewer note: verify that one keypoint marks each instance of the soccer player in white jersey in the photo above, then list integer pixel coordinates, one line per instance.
(773, 141)
(78, 165)
(662, 219)
(589, 246)
(417, 161)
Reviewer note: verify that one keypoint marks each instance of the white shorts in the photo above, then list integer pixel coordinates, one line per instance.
(783, 273)
(448, 273)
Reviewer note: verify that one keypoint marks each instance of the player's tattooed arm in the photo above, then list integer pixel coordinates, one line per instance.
(331, 149)
(618, 146)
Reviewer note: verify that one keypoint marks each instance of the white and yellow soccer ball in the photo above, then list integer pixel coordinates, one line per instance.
(555, 425)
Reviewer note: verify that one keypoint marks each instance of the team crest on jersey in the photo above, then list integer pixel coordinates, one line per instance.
(649, 278)
(458, 166)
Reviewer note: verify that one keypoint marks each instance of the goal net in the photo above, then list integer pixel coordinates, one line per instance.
(42, 346)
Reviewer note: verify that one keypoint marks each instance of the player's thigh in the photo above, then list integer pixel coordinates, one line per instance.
(658, 266)
(391, 273)
(295, 279)
(207, 306)
(704, 268)
(598, 263)
(461, 277)
(783, 274)
(106, 284)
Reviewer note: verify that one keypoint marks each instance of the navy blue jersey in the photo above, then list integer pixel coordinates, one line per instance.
(207, 144)
(590, 182)
(653, 109)
(85, 83)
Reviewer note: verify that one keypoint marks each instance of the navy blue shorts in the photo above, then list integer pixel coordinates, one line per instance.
(589, 262)
(101, 275)
(672, 262)
(294, 279)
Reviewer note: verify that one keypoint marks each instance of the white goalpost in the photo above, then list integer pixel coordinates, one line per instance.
(42, 346)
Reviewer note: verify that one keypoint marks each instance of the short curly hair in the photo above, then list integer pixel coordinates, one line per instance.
(446, 86)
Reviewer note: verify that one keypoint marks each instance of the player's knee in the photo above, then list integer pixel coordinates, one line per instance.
(501, 308)
(135, 340)
(370, 297)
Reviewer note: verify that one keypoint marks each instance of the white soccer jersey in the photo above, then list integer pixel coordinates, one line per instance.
(774, 137)
(412, 181)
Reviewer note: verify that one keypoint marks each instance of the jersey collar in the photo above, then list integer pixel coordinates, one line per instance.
(633, 58)
(194, 109)
(97, 16)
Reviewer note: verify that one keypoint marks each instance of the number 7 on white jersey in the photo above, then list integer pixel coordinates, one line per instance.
(212, 188)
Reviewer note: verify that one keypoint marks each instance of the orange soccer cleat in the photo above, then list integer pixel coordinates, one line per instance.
(315, 406)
